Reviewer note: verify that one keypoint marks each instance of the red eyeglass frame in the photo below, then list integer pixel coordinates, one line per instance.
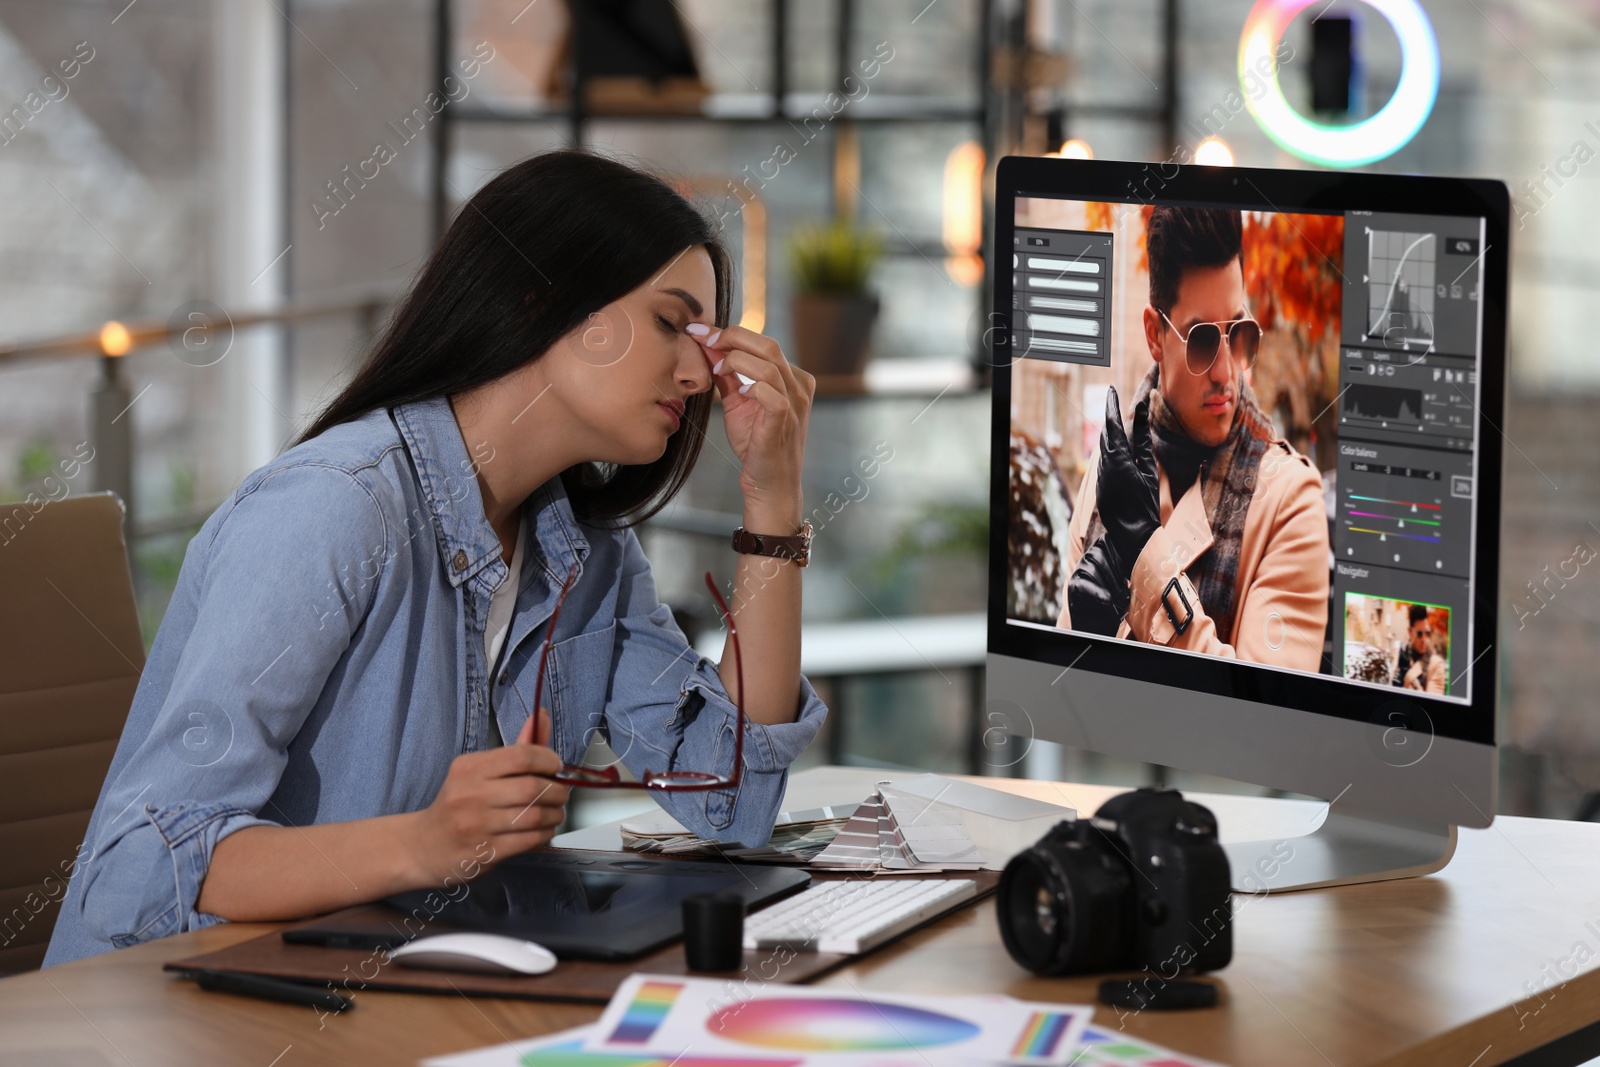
(656, 781)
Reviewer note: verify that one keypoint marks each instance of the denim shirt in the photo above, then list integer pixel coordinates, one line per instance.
(322, 660)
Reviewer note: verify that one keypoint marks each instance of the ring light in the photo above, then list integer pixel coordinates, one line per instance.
(1363, 142)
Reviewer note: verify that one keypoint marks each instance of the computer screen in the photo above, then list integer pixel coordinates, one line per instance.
(1310, 384)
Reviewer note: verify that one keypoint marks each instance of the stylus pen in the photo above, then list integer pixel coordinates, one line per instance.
(343, 939)
(256, 985)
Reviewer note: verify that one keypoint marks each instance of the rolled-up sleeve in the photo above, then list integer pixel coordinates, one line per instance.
(273, 600)
(669, 711)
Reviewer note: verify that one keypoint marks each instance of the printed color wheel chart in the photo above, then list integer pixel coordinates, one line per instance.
(574, 1055)
(1372, 139)
(827, 1025)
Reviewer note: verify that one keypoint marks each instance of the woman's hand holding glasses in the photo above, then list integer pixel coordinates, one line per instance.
(493, 804)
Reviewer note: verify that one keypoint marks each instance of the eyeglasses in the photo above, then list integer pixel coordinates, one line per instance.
(1204, 339)
(658, 781)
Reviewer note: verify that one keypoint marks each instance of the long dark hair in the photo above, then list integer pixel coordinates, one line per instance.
(548, 242)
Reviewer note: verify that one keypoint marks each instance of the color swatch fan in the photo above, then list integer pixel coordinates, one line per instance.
(879, 838)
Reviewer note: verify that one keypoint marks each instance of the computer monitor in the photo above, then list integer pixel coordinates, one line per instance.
(1289, 577)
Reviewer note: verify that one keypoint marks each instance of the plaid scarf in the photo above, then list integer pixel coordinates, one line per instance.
(1228, 479)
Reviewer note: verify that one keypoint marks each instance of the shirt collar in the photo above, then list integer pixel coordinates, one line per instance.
(449, 482)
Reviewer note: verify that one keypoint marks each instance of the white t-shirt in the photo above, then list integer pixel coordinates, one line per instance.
(502, 602)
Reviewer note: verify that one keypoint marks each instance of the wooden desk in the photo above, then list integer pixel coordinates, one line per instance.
(1460, 968)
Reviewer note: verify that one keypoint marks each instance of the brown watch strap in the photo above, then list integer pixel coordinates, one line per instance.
(792, 546)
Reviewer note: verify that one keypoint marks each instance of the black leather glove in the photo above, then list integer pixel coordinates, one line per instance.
(1128, 498)
(1097, 594)
(1128, 495)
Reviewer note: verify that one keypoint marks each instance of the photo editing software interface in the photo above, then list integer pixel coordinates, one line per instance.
(1363, 359)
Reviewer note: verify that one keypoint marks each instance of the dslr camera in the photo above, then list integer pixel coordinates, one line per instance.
(1142, 884)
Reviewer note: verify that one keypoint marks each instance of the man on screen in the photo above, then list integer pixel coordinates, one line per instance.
(1418, 665)
(1203, 531)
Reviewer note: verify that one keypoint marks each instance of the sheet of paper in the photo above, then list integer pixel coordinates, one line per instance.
(566, 1049)
(1000, 824)
(995, 803)
(511, 1055)
(929, 834)
(660, 824)
(1097, 1047)
(795, 844)
(669, 1016)
(1107, 1048)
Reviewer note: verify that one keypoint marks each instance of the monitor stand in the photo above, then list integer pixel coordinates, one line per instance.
(1344, 850)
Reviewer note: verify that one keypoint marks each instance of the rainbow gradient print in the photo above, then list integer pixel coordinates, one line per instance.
(572, 1054)
(646, 1012)
(1040, 1037)
(836, 1025)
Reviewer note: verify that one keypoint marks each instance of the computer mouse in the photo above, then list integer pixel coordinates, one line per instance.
(480, 953)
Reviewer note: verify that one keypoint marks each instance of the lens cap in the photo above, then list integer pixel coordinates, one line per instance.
(1159, 994)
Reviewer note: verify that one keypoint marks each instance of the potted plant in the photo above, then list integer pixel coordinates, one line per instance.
(833, 310)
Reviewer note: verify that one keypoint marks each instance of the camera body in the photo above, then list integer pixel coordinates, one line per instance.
(1143, 884)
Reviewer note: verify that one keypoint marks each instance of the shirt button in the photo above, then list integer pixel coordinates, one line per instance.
(460, 561)
(505, 676)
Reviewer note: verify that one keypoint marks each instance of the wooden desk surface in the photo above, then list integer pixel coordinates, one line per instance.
(1464, 967)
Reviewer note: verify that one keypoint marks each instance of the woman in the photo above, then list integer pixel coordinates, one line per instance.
(358, 627)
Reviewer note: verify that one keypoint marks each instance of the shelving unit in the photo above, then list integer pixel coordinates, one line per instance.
(778, 107)
(999, 119)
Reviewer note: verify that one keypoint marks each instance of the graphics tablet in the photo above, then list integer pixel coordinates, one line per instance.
(579, 905)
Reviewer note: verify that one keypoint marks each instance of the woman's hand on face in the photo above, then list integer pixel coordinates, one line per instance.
(502, 797)
(766, 420)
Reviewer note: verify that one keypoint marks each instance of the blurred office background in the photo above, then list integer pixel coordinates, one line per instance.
(208, 182)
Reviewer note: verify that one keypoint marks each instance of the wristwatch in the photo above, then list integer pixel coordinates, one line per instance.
(796, 546)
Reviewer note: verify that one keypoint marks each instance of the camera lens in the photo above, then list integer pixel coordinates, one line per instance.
(1044, 912)
(1029, 915)
(1066, 906)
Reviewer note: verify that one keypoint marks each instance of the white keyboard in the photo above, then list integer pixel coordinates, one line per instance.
(853, 914)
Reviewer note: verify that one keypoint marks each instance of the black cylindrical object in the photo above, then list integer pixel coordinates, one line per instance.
(1334, 65)
(713, 931)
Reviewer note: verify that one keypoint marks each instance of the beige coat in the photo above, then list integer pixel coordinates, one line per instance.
(1281, 612)
(1426, 675)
